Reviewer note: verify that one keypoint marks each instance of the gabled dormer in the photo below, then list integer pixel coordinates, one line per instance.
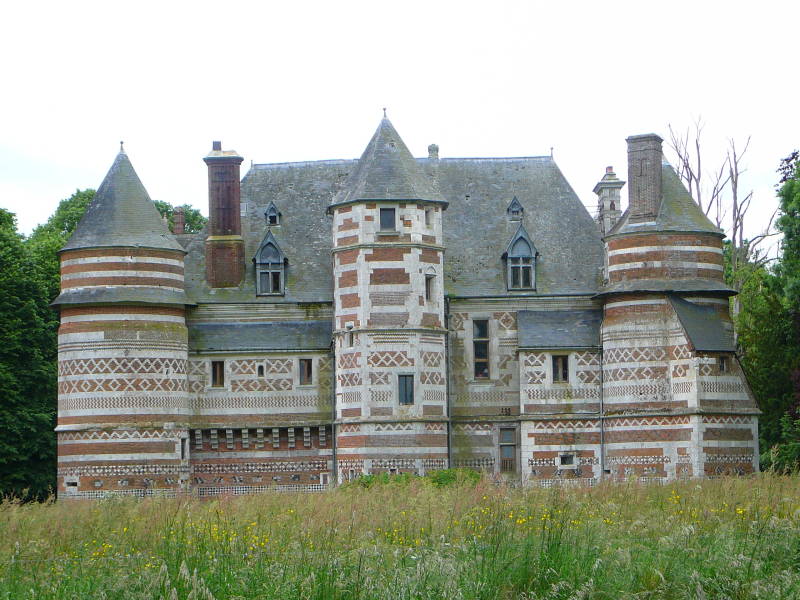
(515, 210)
(272, 215)
(520, 257)
(270, 263)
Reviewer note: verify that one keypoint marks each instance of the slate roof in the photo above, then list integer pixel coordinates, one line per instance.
(121, 214)
(678, 212)
(272, 336)
(388, 171)
(477, 227)
(661, 286)
(705, 329)
(559, 328)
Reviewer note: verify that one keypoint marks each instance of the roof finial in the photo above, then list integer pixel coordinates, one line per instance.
(384, 112)
(121, 148)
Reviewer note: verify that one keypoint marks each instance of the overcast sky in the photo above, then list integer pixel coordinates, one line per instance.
(291, 81)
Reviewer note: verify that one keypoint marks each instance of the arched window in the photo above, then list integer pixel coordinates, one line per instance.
(521, 262)
(270, 267)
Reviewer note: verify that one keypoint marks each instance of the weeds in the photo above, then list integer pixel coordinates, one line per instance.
(415, 538)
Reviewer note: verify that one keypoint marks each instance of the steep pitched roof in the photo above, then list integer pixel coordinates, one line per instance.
(387, 171)
(559, 328)
(703, 326)
(677, 212)
(122, 214)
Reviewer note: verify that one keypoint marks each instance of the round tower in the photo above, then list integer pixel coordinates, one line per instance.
(122, 348)
(674, 397)
(389, 335)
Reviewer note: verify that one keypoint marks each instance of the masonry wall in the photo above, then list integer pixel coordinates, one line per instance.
(388, 325)
(122, 401)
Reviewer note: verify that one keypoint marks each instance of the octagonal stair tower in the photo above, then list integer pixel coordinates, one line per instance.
(122, 348)
(675, 400)
(389, 339)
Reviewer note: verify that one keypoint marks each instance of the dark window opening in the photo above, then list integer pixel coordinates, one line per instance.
(217, 373)
(272, 219)
(480, 346)
(429, 287)
(260, 370)
(566, 460)
(508, 450)
(350, 340)
(428, 217)
(306, 371)
(388, 219)
(723, 364)
(405, 389)
(560, 368)
(270, 278)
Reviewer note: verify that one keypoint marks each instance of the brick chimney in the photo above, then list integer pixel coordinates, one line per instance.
(644, 177)
(178, 221)
(224, 244)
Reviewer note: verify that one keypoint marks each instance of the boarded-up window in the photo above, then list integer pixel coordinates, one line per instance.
(388, 219)
(405, 389)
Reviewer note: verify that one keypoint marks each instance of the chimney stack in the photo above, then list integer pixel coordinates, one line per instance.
(178, 221)
(644, 177)
(224, 244)
(433, 151)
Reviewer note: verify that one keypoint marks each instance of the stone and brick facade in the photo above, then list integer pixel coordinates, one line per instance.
(393, 314)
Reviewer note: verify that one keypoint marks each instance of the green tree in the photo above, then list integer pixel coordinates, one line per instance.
(47, 239)
(194, 220)
(27, 370)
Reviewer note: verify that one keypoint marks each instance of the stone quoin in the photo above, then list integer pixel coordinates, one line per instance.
(394, 314)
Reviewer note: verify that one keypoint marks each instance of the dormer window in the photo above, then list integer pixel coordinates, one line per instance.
(272, 215)
(521, 262)
(515, 210)
(270, 268)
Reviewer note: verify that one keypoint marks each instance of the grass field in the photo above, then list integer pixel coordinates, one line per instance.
(729, 538)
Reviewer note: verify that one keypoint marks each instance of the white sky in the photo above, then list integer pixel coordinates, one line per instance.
(288, 81)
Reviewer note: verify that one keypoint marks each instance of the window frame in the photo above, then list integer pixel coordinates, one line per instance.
(387, 210)
(507, 465)
(305, 376)
(217, 373)
(560, 374)
(485, 361)
(430, 282)
(405, 378)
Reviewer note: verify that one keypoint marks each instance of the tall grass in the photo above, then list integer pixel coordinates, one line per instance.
(728, 538)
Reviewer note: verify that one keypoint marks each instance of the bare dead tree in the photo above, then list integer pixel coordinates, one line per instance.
(720, 196)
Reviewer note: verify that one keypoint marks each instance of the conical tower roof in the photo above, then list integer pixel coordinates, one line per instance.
(122, 214)
(388, 171)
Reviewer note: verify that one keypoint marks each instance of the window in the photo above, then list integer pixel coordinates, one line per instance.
(272, 215)
(260, 370)
(723, 364)
(350, 340)
(520, 266)
(270, 264)
(560, 368)
(567, 461)
(388, 219)
(480, 346)
(217, 373)
(428, 218)
(429, 279)
(508, 450)
(515, 210)
(306, 371)
(405, 389)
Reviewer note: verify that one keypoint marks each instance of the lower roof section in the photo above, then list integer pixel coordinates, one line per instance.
(121, 294)
(273, 336)
(559, 328)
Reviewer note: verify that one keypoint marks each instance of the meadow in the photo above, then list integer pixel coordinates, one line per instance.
(410, 538)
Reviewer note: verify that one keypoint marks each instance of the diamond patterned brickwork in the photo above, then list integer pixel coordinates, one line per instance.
(390, 358)
(102, 366)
